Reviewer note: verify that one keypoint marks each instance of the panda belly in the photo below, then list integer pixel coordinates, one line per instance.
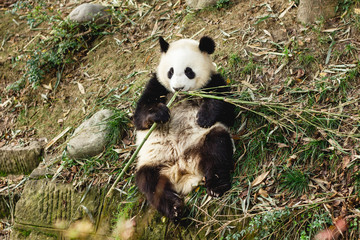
(175, 146)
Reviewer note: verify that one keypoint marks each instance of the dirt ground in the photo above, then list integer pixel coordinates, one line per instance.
(112, 70)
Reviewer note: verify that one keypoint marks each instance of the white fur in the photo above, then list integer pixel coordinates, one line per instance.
(181, 54)
(176, 146)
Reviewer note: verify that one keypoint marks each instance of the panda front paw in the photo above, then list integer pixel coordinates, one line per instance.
(217, 186)
(159, 114)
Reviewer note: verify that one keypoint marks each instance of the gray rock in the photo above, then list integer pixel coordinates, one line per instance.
(20, 159)
(87, 12)
(310, 10)
(199, 4)
(90, 138)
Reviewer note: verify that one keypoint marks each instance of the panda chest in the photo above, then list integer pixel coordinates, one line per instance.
(178, 139)
(183, 119)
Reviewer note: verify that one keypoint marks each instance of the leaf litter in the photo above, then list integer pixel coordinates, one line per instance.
(297, 96)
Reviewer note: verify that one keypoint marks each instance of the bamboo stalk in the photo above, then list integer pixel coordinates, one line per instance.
(133, 157)
(266, 104)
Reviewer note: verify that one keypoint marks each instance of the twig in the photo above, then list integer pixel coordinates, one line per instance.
(55, 139)
(133, 157)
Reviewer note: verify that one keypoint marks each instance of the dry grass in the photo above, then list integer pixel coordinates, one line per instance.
(297, 97)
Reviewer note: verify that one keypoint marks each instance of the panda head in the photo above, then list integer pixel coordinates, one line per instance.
(186, 64)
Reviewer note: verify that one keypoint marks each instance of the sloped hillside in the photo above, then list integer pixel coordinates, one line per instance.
(295, 88)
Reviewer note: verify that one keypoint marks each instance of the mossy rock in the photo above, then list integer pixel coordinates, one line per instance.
(44, 203)
(50, 209)
(32, 234)
(19, 159)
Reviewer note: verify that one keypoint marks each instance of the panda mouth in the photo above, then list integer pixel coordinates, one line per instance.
(178, 89)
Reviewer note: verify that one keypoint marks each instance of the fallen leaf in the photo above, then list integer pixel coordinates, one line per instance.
(81, 88)
(249, 85)
(330, 30)
(323, 74)
(345, 161)
(66, 113)
(48, 87)
(290, 160)
(267, 33)
(263, 193)
(259, 179)
(300, 73)
(282, 145)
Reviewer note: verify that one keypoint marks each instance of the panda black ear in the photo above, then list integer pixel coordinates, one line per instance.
(207, 45)
(163, 45)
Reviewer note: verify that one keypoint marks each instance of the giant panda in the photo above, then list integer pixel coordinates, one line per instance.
(192, 140)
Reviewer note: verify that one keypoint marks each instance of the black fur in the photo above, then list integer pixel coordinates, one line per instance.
(213, 110)
(217, 161)
(207, 45)
(163, 45)
(151, 106)
(158, 191)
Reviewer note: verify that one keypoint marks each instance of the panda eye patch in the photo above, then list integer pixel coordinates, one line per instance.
(170, 73)
(189, 73)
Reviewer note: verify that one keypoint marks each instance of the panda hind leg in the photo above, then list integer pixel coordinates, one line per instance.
(217, 161)
(158, 191)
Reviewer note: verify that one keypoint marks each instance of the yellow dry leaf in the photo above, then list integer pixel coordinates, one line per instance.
(259, 179)
(263, 193)
(81, 88)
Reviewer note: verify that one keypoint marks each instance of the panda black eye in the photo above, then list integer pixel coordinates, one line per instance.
(170, 73)
(189, 73)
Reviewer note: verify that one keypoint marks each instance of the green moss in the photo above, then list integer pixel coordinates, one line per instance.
(24, 233)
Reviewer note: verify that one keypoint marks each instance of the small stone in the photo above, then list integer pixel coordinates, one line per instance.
(87, 12)
(90, 138)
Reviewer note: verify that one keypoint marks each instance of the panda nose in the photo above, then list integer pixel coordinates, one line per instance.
(178, 88)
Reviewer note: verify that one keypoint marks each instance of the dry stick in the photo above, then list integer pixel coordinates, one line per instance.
(137, 150)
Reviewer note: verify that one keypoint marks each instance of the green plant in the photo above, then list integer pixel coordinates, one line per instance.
(130, 204)
(356, 179)
(314, 221)
(116, 126)
(222, 4)
(306, 59)
(66, 39)
(354, 225)
(20, 5)
(250, 67)
(294, 181)
(263, 225)
(345, 5)
(235, 60)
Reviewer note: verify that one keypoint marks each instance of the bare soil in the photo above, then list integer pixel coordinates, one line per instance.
(285, 54)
